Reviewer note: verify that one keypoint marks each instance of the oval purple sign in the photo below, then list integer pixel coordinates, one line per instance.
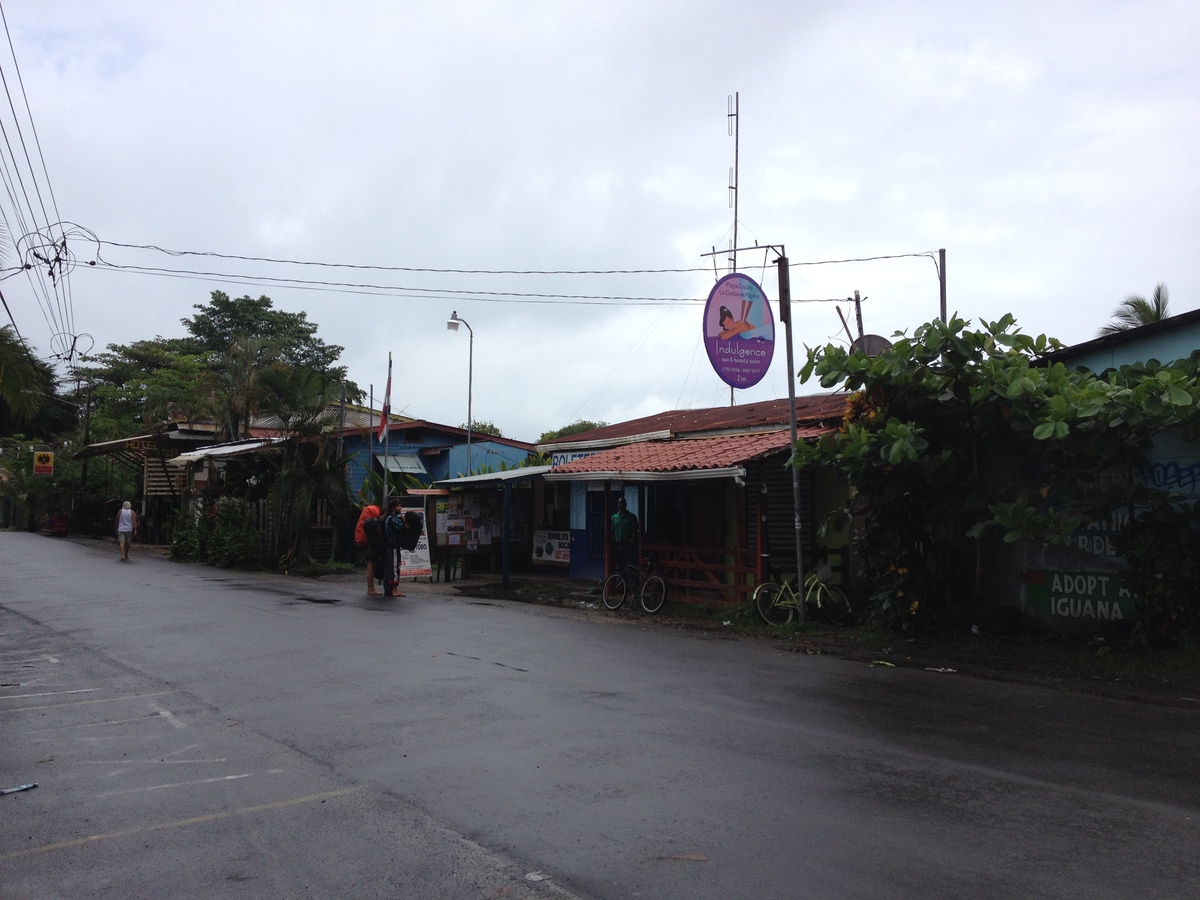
(739, 331)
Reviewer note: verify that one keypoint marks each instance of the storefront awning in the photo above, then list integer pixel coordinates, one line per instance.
(405, 463)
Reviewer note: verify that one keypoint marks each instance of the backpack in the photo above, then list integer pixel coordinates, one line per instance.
(360, 534)
(406, 531)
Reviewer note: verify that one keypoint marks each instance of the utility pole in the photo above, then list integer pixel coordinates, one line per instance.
(942, 279)
(785, 315)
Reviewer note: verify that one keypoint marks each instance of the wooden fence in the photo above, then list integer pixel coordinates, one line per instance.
(705, 574)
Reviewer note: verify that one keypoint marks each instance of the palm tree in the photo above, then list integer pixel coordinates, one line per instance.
(1136, 311)
(237, 381)
(309, 479)
(20, 381)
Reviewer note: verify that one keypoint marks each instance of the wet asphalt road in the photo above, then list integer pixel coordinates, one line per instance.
(199, 733)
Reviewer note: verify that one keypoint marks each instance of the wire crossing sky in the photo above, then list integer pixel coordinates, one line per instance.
(558, 174)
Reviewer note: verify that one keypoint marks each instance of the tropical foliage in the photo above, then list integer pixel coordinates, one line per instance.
(577, 427)
(955, 436)
(1136, 311)
(20, 379)
(218, 372)
(483, 426)
(222, 534)
(241, 362)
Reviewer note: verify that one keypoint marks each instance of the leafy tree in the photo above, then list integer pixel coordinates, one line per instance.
(1136, 311)
(482, 426)
(956, 434)
(577, 427)
(293, 338)
(214, 373)
(137, 385)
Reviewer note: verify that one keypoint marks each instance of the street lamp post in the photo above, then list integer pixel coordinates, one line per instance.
(452, 325)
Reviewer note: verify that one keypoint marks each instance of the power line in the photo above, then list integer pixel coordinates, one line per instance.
(454, 271)
(419, 293)
(49, 251)
(377, 268)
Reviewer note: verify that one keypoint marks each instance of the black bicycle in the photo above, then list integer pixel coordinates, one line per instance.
(650, 589)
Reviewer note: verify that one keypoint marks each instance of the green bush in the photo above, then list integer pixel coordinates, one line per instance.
(225, 537)
(1162, 547)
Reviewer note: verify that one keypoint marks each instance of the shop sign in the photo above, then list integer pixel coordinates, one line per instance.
(739, 331)
(552, 547)
(561, 459)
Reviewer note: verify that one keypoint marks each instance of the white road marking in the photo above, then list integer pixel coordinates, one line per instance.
(163, 787)
(50, 693)
(167, 714)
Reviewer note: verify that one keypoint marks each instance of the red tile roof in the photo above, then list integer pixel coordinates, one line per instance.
(695, 455)
(766, 415)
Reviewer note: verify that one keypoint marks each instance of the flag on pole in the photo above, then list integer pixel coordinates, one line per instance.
(387, 404)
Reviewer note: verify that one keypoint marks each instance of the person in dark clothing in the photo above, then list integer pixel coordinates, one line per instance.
(375, 530)
(625, 537)
(381, 546)
(386, 537)
(370, 511)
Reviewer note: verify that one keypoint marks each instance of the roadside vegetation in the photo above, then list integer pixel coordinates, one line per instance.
(237, 361)
(956, 437)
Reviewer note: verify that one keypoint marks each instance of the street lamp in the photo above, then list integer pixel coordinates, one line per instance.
(452, 325)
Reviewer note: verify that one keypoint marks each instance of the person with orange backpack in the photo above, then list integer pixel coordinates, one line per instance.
(360, 539)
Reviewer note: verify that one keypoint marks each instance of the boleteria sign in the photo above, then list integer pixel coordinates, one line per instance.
(739, 331)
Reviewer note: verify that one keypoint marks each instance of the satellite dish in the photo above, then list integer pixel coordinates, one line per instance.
(870, 344)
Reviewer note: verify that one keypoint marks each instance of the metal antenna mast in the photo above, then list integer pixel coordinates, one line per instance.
(734, 125)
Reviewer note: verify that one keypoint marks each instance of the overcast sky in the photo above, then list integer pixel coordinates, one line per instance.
(1052, 149)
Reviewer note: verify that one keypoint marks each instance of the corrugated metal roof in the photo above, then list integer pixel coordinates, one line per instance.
(696, 457)
(766, 415)
(523, 473)
(226, 451)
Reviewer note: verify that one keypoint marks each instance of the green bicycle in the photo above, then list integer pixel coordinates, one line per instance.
(777, 601)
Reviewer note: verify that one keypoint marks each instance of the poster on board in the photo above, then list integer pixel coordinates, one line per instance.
(415, 563)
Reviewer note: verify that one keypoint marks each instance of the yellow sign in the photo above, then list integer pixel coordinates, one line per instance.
(43, 462)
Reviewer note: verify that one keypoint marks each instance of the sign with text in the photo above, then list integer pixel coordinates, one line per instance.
(552, 547)
(1096, 596)
(415, 563)
(43, 462)
(739, 331)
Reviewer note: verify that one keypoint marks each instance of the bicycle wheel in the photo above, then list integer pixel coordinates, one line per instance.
(768, 600)
(614, 591)
(654, 592)
(836, 606)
